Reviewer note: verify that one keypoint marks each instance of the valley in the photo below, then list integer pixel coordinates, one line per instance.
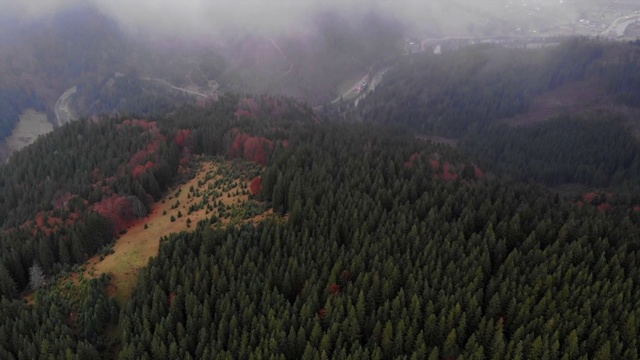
(407, 180)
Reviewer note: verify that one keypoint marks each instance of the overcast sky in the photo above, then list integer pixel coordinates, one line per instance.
(207, 16)
(211, 17)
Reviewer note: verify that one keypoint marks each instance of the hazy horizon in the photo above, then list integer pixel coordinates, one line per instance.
(201, 17)
(197, 18)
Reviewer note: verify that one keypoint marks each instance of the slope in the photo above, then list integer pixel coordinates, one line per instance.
(477, 94)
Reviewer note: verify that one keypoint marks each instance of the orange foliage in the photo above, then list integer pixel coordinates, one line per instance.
(53, 224)
(182, 136)
(435, 164)
(238, 144)
(117, 209)
(252, 148)
(605, 208)
(334, 289)
(588, 197)
(256, 186)
(412, 160)
(447, 175)
(137, 163)
(141, 169)
(248, 107)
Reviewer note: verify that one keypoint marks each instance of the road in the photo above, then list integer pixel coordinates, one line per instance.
(63, 113)
(352, 89)
(282, 54)
(191, 92)
(619, 25)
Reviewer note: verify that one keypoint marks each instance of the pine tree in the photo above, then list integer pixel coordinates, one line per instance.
(7, 285)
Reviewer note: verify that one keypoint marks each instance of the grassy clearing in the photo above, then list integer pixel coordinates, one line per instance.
(31, 125)
(218, 191)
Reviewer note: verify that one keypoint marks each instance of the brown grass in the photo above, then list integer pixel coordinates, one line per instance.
(133, 249)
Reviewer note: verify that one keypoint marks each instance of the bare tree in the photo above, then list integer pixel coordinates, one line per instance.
(36, 277)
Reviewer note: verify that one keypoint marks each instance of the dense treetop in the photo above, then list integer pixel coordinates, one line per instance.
(381, 260)
(383, 245)
(479, 95)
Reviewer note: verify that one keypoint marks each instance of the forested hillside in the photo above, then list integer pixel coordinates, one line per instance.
(378, 259)
(558, 115)
(381, 244)
(43, 57)
(68, 195)
(472, 87)
(124, 94)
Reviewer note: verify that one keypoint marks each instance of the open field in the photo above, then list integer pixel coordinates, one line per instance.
(217, 189)
(31, 125)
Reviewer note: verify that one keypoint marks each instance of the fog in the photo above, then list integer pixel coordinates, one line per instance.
(304, 48)
(216, 17)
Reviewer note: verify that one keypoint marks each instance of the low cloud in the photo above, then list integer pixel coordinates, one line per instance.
(202, 18)
(207, 17)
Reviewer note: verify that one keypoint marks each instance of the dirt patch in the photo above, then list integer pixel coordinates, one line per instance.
(216, 190)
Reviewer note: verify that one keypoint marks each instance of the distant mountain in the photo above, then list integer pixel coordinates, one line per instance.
(40, 59)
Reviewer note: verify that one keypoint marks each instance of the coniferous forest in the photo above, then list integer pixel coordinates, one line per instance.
(382, 244)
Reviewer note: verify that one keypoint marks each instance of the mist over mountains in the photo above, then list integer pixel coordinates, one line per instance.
(199, 19)
(308, 180)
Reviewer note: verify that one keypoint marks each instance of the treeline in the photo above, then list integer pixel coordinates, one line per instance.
(379, 260)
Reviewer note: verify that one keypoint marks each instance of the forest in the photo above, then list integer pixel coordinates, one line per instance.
(66, 197)
(123, 94)
(461, 91)
(381, 244)
(379, 259)
(558, 115)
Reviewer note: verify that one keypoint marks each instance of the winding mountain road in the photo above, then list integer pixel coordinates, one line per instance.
(63, 113)
(619, 25)
(191, 92)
